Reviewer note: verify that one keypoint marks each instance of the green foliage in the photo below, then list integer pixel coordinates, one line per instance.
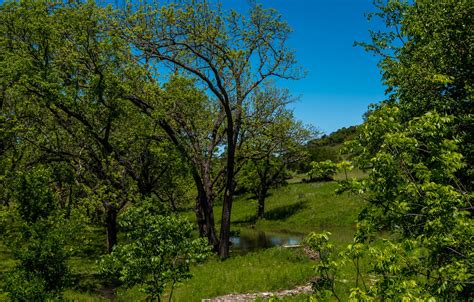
(158, 252)
(417, 148)
(24, 286)
(265, 270)
(426, 61)
(335, 138)
(324, 170)
(194, 37)
(253, 175)
(273, 143)
(328, 147)
(71, 79)
(326, 267)
(36, 234)
(35, 198)
(415, 194)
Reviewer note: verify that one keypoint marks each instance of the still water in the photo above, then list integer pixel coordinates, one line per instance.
(248, 240)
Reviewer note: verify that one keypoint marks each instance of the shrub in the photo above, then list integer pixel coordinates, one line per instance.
(323, 170)
(36, 234)
(159, 252)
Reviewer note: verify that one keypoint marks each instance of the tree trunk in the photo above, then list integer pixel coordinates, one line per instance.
(204, 206)
(111, 225)
(210, 225)
(228, 195)
(201, 221)
(261, 202)
(205, 215)
(225, 225)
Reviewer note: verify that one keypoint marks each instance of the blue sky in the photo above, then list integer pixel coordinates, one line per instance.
(342, 79)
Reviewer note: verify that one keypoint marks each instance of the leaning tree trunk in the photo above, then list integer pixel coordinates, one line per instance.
(200, 219)
(210, 224)
(111, 227)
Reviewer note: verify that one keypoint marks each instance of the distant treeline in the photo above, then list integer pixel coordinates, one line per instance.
(328, 147)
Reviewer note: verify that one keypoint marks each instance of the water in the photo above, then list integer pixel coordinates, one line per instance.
(251, 240)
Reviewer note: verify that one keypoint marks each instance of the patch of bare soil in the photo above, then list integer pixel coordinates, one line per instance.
(302, 289)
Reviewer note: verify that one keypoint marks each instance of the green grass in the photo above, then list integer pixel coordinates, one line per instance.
(6, 264)
(298, 208)
(267, 270)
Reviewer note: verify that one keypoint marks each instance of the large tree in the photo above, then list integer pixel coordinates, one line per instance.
(417, 148)
(426, 61)
(229, 53)
(195, 125)
(67, 76)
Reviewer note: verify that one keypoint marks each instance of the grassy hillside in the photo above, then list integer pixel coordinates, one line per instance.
(329, 146)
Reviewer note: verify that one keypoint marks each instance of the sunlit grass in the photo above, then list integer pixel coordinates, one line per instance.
(301, 208)
(268, 270)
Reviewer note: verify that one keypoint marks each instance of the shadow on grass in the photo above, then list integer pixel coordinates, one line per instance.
(279, 213)
(285, 212)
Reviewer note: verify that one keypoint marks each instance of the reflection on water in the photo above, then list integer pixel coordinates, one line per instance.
(251, 240)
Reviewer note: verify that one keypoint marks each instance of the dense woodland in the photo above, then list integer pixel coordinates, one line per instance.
(133, 137)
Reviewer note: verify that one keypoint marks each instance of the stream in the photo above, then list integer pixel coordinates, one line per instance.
(248, 240)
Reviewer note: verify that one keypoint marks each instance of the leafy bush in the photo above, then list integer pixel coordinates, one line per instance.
(36, 234)
(415, 194)
(23, 286)
(323, 170)
(158, 252)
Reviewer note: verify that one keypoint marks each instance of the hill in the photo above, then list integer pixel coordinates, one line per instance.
(329, 146)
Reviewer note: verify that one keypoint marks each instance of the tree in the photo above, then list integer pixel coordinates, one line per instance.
(323, 170)
(271, 141)
(229, 53)
(195, 126)
(158, 254)
(183, 112)
(426, 62)
(414, 193)
(68, 81)
(417, 148)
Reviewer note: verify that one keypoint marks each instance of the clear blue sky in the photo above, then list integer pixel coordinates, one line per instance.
(342, 80)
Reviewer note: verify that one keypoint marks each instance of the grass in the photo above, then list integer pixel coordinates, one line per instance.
(6, 264)
(267, 270)
(296, 208)
(299, 208)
